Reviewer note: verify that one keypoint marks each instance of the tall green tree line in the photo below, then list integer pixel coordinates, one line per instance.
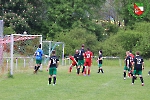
(49, 17)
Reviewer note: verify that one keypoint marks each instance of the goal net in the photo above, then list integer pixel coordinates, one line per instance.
(18, 51)
(49, 46)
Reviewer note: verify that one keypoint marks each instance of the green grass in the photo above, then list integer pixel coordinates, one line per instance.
(108, 86)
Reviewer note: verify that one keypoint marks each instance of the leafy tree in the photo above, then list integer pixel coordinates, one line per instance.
(8, 31)
(143, 44)
(64, 15)
(22, 15)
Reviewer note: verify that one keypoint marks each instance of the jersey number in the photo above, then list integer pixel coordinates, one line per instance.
(54, 61)
(37, 53)
(80, 52)
(88, 55)
(138, 61)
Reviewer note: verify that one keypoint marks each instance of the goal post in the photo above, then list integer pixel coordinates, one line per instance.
(1, 37)
(19, 46)
(1, 28)
(12, 46)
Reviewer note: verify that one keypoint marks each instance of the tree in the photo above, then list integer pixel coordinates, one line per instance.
(22, 15)
(64, 15)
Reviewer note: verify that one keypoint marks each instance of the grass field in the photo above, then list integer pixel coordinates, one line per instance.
(108, 86)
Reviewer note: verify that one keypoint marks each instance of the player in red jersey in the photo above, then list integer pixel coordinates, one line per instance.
(88, 61)
(74, 60)
(131, 59)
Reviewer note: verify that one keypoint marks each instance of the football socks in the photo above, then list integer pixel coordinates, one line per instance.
(124, 74)
(78, 70)
(70, 69)
(83, 69)
(37, 68)
(141, 78)
(102, 70)
(88, 71)
(54, 80)
(133, 78)
(34, 67)
(50, 80)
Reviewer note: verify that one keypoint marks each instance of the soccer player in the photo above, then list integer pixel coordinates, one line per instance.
(52, 68)
(131, 59)
(138, 67)
(81, 60)
(74, 61)
(100, 60)
(88, 61)
(38, 54)
(128, 64)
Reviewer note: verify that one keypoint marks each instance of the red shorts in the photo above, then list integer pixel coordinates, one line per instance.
(74, 63)
(87, 63)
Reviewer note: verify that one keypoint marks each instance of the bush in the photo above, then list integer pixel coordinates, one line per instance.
(136, 39)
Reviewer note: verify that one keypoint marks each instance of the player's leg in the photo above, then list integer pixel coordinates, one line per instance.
(130, 74)
(141, 78)
(35, 67)
(50, 76)
(83, 68)
(101, 69)
(78, 69)
(38, 66)
(49, 79)
(80, 63)
(99, 65)
(39, 62)
(89, 67)
(124, 72)
(89, 70)
(54, 75)
(133, 78)
(131, 71)
(79, 66)
(70, 68)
